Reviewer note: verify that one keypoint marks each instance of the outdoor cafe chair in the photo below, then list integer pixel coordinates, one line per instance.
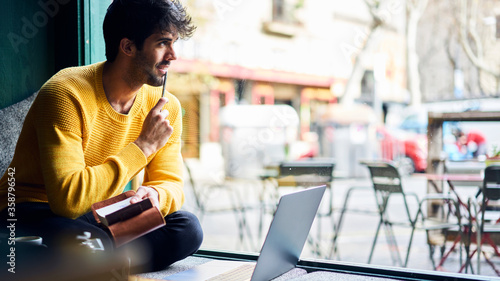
(387, 184)
(209, 190)
(303, 174)
(485, 209)
(368, 190)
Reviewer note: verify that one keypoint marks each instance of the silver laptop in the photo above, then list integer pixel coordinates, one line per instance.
(281, 250)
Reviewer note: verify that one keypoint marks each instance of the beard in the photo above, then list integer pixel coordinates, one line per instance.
(145, 70)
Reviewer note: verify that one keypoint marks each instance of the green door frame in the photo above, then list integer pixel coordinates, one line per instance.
(91, 42)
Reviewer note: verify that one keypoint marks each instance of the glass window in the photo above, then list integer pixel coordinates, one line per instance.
(353, 81)
(363, 106)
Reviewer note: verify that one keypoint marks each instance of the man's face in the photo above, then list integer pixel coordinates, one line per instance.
(151, 63)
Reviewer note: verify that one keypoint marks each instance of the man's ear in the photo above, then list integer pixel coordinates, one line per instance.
(128, 47)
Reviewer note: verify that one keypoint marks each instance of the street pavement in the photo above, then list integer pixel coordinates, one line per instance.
(222, 227)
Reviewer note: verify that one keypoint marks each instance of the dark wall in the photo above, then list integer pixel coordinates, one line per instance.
(38, 37)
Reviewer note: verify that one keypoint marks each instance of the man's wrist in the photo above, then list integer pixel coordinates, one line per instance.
(147, 152)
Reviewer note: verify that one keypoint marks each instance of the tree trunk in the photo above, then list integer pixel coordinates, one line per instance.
(413, 14)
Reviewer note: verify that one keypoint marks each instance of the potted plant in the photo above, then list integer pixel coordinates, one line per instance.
(494, 158)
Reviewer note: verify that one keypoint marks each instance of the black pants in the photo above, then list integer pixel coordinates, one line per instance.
(180, 237)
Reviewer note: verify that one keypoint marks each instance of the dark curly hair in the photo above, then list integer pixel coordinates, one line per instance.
(138, 19)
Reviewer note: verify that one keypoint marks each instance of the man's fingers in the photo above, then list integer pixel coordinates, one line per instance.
(160, 104)
(139, 195)
(135, 199)
(164, 113)
(143, 193)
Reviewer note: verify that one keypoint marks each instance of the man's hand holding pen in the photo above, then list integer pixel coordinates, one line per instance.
(156, 129)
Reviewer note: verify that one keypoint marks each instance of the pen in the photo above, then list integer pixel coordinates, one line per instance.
(164, 83)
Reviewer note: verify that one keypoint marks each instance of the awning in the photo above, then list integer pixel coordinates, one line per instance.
(240, 72)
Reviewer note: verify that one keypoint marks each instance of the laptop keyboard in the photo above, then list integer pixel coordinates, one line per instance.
(243, 273)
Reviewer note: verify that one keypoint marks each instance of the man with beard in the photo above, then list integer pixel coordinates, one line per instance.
(93, 128)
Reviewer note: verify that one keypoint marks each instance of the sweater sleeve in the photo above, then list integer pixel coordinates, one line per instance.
(164, 171)
(71, 185)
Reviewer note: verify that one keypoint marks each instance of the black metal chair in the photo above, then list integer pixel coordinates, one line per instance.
(365, 210)
(486, 214)
(206, 191)
(387, 184)
(304, 174)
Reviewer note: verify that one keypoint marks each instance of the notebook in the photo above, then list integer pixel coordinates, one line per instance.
(281, 249)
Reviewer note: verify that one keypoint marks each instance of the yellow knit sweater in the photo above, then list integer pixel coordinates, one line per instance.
(75, 149)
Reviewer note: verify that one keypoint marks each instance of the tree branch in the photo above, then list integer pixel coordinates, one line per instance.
(476, 59)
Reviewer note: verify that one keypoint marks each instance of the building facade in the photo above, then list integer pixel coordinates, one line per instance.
(294, 52)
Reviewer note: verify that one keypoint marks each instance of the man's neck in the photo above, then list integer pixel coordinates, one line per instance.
(119, 92)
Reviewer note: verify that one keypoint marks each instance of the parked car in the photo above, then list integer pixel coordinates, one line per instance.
(408, 150)
(405, 141)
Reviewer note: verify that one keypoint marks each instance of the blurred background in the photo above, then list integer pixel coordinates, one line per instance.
(361, 76)
(267, 81)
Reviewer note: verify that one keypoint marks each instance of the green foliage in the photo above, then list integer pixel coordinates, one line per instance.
(495, 151)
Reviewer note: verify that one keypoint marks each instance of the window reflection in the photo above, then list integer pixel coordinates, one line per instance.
(470, 140)
(351, 81)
